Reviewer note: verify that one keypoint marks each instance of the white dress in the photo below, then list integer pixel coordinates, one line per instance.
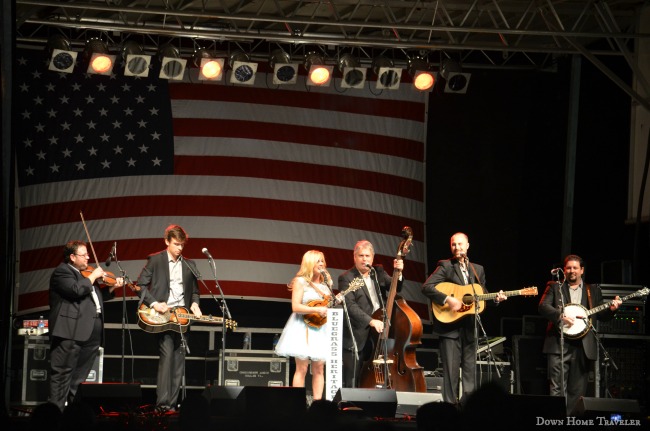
(299, 340)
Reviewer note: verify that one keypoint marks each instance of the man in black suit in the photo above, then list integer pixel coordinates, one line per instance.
(361, 304)
(168, 280)
(579, 354)
(76, 321)
(457, 341)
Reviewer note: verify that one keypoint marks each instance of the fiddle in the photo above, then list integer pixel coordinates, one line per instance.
(107, 280)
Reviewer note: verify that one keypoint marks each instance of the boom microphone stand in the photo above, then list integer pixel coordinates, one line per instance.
(386, 321)
(355, 348)
(607, 360)
(561, 326)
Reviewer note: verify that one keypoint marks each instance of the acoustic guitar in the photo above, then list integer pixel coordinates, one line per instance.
(315, 320)
(444, 314)
(176, 319)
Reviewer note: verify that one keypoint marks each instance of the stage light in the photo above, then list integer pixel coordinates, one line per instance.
(423, 78)
(456, 80)
(388, 77)
(284, 72)
(172, 66)
(62, 59)
(135, 62)
(210, 67)
(318, 73)
(354, 76)
(243, 70)
(100, 62)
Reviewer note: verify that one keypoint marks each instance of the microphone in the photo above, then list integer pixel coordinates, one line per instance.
(324, 274)
(111, 256)
(555, 271)
(207, 253)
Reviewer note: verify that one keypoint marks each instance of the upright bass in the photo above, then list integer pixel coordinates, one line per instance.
(393, 365)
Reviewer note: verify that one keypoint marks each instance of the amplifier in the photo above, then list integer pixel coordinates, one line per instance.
(629, 319)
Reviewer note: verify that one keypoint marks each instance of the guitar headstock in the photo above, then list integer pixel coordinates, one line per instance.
(355, 284)
(230, 324)
(405, 244)
(644, 291)
(529, 291)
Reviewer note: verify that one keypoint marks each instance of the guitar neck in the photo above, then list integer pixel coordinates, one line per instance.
(487, 296)
(608, 304)
(202, 318)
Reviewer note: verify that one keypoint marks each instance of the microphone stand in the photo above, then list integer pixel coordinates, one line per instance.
(386, 321)
(226, 313)
(355, 348)
(563, 383)
(124, 315)
(607, 360)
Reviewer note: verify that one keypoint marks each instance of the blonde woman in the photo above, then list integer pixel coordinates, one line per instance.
(308, 342)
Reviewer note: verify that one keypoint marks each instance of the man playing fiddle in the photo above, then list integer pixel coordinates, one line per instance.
(76, 321)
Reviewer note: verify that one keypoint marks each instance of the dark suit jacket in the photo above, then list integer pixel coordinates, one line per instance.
(448, 270)
(72, 309)
(154, 280)
(550, 306)
(359, 304)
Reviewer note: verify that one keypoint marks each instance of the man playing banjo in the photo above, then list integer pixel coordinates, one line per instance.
(567, 305)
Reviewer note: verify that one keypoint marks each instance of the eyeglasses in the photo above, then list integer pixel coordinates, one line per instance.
(82, 255)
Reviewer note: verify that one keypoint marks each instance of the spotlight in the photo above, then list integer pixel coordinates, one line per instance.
(319, 74)
(354, 76)
(243, 71)
(135, 62)
(388, 77)
(284, 72)
(457, 81)
(423, 78)
(172, 66)
(100, 62)
(62, 59)
(210, 67)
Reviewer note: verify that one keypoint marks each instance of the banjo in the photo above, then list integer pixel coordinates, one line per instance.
(582, 324)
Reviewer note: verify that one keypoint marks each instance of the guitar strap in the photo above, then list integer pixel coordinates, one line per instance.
(588, 289)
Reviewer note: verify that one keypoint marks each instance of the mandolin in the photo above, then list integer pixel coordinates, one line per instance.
(315, 320)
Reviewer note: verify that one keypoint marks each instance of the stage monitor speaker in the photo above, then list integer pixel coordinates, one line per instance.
(110, 397)
(409, 402)
(274, 401)
(531, 407)
(530, 365)
(374, 402)
(225, 400)
(609, 408)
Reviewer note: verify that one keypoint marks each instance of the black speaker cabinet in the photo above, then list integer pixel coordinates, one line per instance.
(609, 408)
(225, 400)
(531, 407)
(409, 402)
(530, 365)
(374, 402)
(110, 397)
(256, 402)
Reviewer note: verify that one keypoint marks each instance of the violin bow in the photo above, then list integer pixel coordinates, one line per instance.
(89, 240)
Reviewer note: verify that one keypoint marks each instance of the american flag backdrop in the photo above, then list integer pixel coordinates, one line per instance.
(257, 175)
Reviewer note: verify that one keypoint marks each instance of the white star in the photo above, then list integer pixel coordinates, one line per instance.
(139, 99)
(130, 136)
(65, 125)
(155, 136)
(101, 87)
(78, 112)
(55, 168)
(79, 138)
(156, 161)
(106, 164)
(142, 123)
(22, 61)
(51, 113)
(66, 153)
(90, 99)
(76, 86)
(91, 124)
(115, 100)
(28, 143)
(54, 140)
(27, 114)
(117, 124)
(104, 137)
(24, 88)
(128, 112)
(143, 148)
(38, 101)
(80, 166)
(36, 74)
(64, 100)
(92, 151)
(41, 155)
(131, 162)
(154, 111)
(29, 170)
(50, 87)
(126, 87)
(103, 112)
(40, 127)
(118, 150)
(151, 88)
